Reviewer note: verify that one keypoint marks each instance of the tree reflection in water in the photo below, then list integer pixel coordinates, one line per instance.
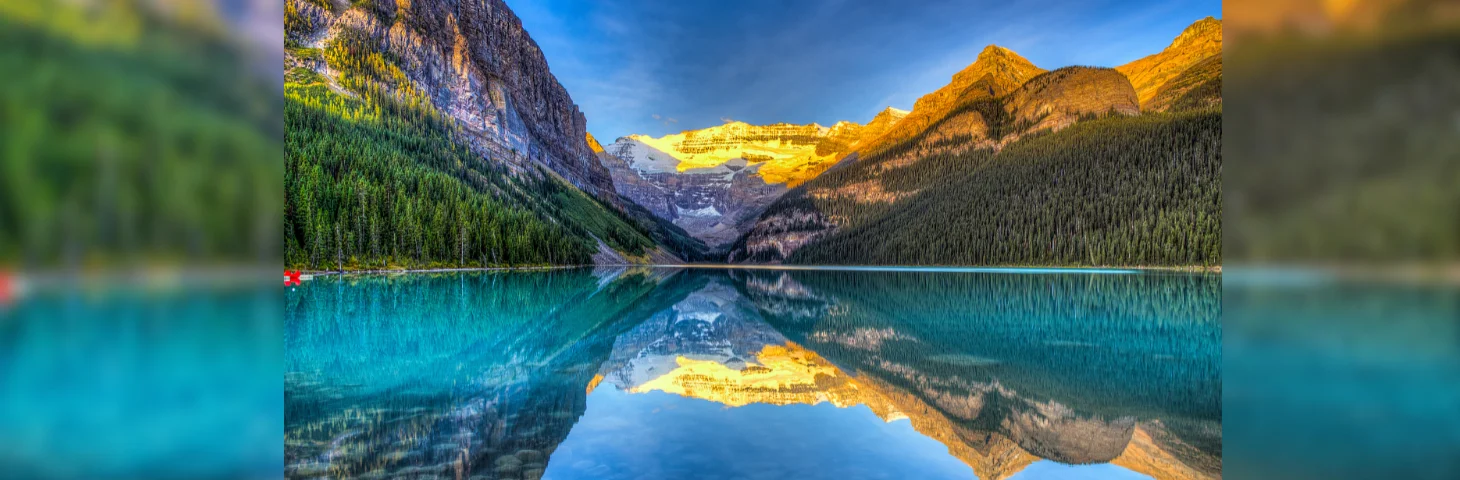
(485, 374)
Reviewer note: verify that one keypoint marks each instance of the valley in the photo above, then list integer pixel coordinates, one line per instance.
(427, 135)
(715, 182)
(980, 172)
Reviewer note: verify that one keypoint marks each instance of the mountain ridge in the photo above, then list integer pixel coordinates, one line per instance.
(433, 134)
(712, 181)
(1198, 42)
(989, 106)
(478, 66)
(996, 71)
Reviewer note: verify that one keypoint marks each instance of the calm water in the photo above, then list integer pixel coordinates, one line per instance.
(710, 373)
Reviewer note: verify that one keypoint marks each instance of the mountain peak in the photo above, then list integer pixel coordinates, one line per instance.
(888, 114)
(1000, 65)
(994, 57)
(1199, 42)
(996, 54)
(1204, 30)
(994, 50)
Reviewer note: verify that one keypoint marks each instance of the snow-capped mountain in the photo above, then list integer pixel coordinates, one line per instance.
(715, 181)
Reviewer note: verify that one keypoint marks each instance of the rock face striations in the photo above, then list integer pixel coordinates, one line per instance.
(477, 66)
(715, 181)
(1056, 99)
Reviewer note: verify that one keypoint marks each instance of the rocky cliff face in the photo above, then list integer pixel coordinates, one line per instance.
(1199, 42)
(477, 65)
(714, 182)
(1057, 99)
(785, 153)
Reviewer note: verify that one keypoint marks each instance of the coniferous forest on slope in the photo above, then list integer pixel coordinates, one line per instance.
(1115, 190)
(377, 180)
(165, 151)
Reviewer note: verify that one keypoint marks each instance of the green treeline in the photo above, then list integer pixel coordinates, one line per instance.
(1346, 151)
(376, 179)
(1112, 190)
(127, 136)
(1116, 344)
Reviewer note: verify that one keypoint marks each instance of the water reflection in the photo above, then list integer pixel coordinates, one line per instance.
(716, 373)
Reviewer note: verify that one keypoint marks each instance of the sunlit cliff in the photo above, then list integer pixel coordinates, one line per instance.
(713, 182)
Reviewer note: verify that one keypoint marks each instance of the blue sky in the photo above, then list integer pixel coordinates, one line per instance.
(662, 66)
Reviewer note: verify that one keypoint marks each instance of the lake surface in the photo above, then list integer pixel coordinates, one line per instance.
(727, 373)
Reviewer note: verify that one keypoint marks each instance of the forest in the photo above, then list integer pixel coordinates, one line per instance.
(1371, 176)
(130, 137)
(377, 179)
(1108, 190)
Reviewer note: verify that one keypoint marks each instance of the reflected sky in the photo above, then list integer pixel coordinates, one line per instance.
(661, 435)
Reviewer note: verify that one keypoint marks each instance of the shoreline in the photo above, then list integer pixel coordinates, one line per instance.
(317, 273)
(732, 266)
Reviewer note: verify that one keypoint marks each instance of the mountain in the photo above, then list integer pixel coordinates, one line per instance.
(880, 124)
(478, 67)
(785, 153)
(995, 72)
(430, 134)
(1160, 79)
(715, 181)
(1013, 164)
(1198, 86)
(673, 239)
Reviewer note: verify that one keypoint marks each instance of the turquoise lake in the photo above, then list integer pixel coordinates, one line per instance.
(653, 373)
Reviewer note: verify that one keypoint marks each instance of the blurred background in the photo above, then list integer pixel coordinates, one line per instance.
(141, 180)
(141, 163)
(1341, 185)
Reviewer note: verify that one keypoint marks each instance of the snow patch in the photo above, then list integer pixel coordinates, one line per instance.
(644, 158)
(707, 317)
(708, 211)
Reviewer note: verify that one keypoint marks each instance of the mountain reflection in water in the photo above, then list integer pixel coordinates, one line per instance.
(485, 375)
